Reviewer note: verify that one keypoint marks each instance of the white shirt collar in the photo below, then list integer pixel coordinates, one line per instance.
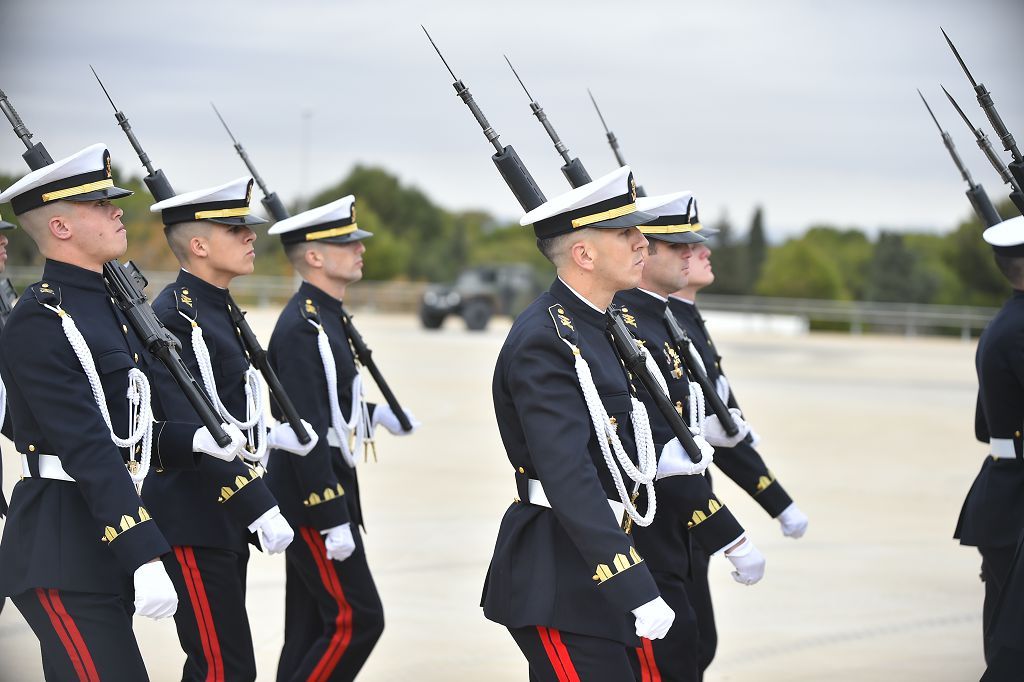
(651, 293)
(580, 296)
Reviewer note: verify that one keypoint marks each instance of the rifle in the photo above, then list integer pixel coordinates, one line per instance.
(160, 188)
(975, 193)
(985, 100)
(131, 299)
(276, 208)
(1016, 195)
(697, 373)
(8, 296)
(613, 142)
(573, 169)
(511, 167)
(635, 361)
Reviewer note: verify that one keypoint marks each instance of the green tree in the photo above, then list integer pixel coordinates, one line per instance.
(729, 258)
(798, 269)
(897, 274)
(757, 251)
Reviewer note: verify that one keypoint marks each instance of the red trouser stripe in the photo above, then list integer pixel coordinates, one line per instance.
(76, 637)
(648, 666)
(58, 627)
(204, 616)
(558, 655)
(343, 621)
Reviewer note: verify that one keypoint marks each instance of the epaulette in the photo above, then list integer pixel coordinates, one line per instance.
(185, 304)
(46, 294)
(563, 325)
(310, 311)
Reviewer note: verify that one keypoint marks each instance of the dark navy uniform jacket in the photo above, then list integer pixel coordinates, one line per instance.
(742, 463)
(993, 513)
(687, 508)
(8, 431)
(319, 490)
(569, 567)
(90, 535)
(214, 505)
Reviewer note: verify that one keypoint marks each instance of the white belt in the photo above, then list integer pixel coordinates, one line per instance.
(540, 498)
(333, 439)
(1002, 448)
(49, 467)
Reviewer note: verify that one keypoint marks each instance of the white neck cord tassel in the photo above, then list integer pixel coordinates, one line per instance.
(255, 421)
(140, 410)
(359, 423)
(609, 442)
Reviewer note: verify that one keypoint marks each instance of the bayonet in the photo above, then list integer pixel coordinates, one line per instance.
(975, 193)
(573, 169)
(511, 167)
(271, 202)
(983, 142)
(985, 100)
(613, 142)
(158, 184)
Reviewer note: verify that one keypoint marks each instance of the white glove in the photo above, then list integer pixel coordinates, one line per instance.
(386, 417)
(203, 442)
(339, 542)
(793, 521)
(755, 437)
(275, 533)
(714, 432)
(282, 437)
(675, 462)
(154, 592)
(654, 619)
(748, 562)
(722, 388)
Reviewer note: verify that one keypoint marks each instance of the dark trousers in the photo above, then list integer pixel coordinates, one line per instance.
(699, 594)
(1005, 665)
(995, 568)
(83, 637)
(559, 656)
(674, 658)
(212, 623)
(333, 614)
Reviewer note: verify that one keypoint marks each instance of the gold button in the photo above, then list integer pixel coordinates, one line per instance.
(136, 357)
(124, 328)
(613, 420)
(515, 500)
(1017, 434)
(184, 291)
(31, 448)
(522, 470)
(309, 300)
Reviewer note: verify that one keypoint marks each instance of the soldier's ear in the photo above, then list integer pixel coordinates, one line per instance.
(581, 256)
(60, 228)
(313, 258)
(199, 247)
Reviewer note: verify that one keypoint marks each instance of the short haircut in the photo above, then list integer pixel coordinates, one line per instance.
(652, 246)
(1012, 268)
(180, 235)
(553, 248)
(296, 254)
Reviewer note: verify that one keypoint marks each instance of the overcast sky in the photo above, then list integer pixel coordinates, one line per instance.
(807, 107)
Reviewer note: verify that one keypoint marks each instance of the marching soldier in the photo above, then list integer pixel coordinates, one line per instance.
(209, 515)
(333, 614)
(78, 537)
(742, 462)
(992, 517)
(565, 578)
(689, 512)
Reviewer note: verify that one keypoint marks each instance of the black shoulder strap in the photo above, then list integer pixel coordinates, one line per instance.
(46, 294)
(563, 324)
(309, 310)
(186, 303)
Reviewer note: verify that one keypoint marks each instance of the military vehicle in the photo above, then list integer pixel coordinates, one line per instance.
(479, 293)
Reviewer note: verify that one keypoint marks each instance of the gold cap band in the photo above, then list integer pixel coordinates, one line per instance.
(333, 232)
(223, 213)
(668, 229)
(604, 215)
(75, 191)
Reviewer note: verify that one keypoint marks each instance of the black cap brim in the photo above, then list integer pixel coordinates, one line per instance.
(100, 194)
(236, 221)
(634, 219)
(687, 237)
(4, 225)
(357, 236)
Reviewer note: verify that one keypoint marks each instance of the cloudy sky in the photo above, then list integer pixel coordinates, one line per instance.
(807, 107)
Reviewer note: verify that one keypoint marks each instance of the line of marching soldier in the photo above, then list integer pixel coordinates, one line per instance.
(128, 503)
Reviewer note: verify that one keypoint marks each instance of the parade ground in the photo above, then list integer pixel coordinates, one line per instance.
(871, 435)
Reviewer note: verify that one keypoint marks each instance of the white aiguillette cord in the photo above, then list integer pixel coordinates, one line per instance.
(608, 440)
(140, 410)
(359, 423)
(254, 424)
